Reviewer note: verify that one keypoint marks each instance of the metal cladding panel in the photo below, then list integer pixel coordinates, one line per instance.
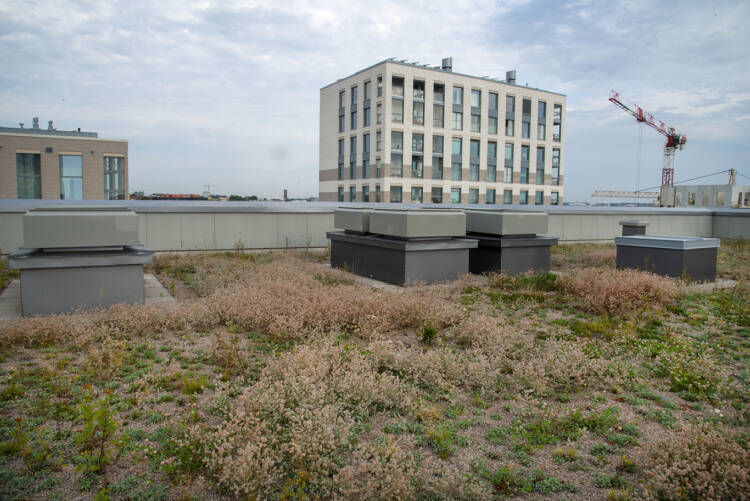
(665, 242)
(352, 219)
(79, 227)
(418, 223)
(507, 223)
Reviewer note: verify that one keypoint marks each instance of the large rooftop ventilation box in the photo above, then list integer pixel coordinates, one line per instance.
(509, 242)
(79, 258)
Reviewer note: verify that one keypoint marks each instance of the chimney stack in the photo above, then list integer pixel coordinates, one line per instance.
(447, 64)
(49, 125)
(35, 122)
(510, 77)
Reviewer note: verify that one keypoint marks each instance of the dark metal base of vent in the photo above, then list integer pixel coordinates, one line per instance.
(698, 265)
(66, 282)
(510, 255)
(400, 262)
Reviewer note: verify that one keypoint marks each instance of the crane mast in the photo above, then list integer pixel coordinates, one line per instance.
(674, 140)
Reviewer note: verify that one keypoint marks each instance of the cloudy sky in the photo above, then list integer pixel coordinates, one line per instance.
(227, 93)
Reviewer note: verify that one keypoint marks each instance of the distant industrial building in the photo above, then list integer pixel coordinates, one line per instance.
(705, 195)
(60, 164)
(408, 132)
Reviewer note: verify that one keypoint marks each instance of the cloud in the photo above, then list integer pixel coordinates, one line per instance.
(227, 93)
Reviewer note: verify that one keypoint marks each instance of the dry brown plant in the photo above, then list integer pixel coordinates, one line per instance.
(607, 291)
(697, 462)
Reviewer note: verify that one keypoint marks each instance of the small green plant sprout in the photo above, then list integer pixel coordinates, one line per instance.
(626, 465)
(98, 438)
(427, 333)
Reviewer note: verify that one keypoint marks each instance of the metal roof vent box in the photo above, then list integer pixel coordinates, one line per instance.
(79, 258)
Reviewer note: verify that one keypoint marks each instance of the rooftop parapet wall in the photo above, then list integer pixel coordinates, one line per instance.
(195, 226)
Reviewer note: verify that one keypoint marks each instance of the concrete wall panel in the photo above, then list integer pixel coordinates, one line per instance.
(163, 231)
(11, 232)
(262, 231)
(292, 230)
(197, 231)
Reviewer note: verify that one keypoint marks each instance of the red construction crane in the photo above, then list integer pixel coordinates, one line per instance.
(674, 140)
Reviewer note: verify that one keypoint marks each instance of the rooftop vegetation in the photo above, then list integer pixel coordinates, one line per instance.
(275, 376)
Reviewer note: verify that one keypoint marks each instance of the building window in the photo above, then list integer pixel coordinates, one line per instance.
(525, 164)
(378, 141)
(507, 196)
(353, 157)
(456, 159)
(342, 111)
(437, 167)
(474, 160)
(476, 103)
(380, 86)
(473, 195)
(352, 193)
(524, 198)
(397, 165)
(458, 101)
(71, 177)
(437, 195)
(540, 165)
(458, 96)
(417, 143)
(475, 123)
(438, 106)
(397, 140)
(437, 157)
(366, 156)
(539, 198)
(365, 193)
(29, 175)
(378, 167)
(395, 194)
(418, 90)
(492, 118)
(417, 169)
(455, 195)
(366, 105)
(510, 114)
(341, 159)
(114, 178)
(341, 194)
(490, 196)
(554, 198)
(555, 166)
(418, 113)
(377, 193)
(541, 121)
(354, 108)
(457, 121)
(556, 122)
(397, 111)
(416, 194)
(491, 162)
(397, 101)
(526, 119)
(508, 163)
(379, 113)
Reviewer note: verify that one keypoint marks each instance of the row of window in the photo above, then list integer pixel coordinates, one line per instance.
(29, 177)
(436, 195)
(457, 110)
(456, 165)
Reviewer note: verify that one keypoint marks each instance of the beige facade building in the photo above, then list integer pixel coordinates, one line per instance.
(70, 165)
(402, 132)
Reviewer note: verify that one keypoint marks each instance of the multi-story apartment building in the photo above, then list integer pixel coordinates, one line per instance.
(402, 132)
(70, 165)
